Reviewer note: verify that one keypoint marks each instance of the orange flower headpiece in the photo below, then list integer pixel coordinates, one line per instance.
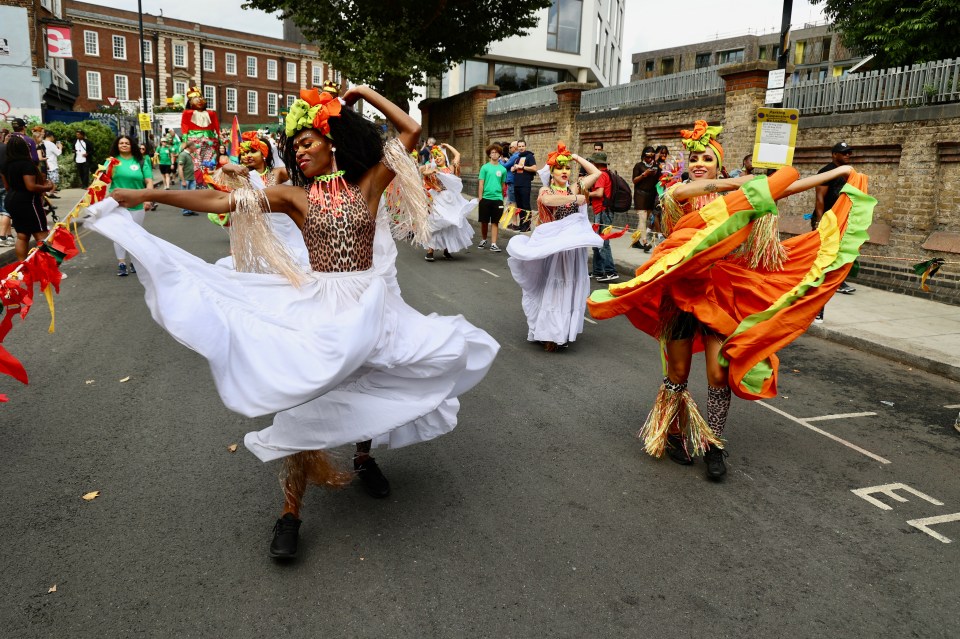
(437, 152)
(560, 157)
(313, 110)
(252, 142)
(701, 137)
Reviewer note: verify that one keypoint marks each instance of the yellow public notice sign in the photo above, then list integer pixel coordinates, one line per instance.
(776, 137)
(145, 122)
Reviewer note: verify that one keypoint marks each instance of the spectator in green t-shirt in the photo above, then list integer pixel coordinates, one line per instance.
(165, 162)
(133, 172)
(490, 192)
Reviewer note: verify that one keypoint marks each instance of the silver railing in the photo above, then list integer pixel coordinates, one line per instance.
(928, 83)
(541, 96)
(686, 84)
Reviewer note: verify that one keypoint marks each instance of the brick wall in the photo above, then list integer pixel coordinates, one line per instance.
(911, 155)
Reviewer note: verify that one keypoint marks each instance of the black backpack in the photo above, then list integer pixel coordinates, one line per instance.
(621, 196)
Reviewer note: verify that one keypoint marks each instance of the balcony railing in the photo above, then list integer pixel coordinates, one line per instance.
(541, 96)
(686, 84)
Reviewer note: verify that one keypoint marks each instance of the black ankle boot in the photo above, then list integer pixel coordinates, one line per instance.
(716, 468)
(372, 478)
(285, 536)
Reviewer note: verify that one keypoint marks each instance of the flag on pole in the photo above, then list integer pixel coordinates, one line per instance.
(235, 140)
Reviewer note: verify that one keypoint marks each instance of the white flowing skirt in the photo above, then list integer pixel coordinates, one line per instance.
(551, 268)
(449, 227)
(342, 357)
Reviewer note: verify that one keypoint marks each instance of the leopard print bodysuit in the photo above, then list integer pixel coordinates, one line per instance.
(558, 212)
(342, 240)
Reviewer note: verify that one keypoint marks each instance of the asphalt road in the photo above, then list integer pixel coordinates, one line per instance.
(539, 516)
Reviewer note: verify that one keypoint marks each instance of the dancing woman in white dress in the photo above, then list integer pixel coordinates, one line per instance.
(334, 349)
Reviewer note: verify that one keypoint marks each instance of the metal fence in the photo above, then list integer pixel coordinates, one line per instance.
(541, 96)
(686, 84)
(927, 83)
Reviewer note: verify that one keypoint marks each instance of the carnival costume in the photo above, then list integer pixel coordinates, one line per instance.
(722, 273)
(334, 349)
(201, 126)
(450, 230)
(550, 265)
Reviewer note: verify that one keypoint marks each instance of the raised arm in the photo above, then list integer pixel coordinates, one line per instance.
(377, 178)
(593, 173)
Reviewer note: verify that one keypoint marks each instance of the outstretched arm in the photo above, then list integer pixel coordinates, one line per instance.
(702, 187)
(377, 178)
(281, 199)
(818, 180)
(551, 199)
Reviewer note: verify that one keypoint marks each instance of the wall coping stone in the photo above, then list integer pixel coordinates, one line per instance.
(885, 116)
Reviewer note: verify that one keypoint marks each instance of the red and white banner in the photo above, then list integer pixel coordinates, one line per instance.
(58, 42)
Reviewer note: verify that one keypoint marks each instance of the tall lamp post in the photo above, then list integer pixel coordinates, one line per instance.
(143, 65)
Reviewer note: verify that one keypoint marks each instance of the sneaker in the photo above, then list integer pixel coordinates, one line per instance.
(372, 478)
(132, 269)
(610, 277)
(7, 241)
(63, 276)
(482, 245)
(429, 256)
(285, 536)
(122, 270)
(846, 289)
(716, 468)
(446, 255)
(676, 450)
(494, 248)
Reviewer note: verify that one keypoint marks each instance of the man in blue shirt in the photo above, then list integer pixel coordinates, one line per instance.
(523, 165)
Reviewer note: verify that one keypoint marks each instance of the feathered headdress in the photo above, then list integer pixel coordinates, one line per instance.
(252, 142)
(560, 157)
(701, 137)
(313, 109)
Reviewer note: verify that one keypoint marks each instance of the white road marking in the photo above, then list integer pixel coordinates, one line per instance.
(488, 272)
(953, 406)
(806, 424)
(887, 489)
(587, 319)
(838, 416)
(924, 525)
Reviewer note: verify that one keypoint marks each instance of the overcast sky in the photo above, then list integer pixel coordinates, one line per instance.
(648, 24)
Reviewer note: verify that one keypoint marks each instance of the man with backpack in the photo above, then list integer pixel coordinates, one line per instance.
(603, 267)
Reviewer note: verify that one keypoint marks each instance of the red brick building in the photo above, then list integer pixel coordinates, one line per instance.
(243, 74)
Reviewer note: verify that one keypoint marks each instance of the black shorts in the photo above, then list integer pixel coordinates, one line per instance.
(26, 212)
(166, 169)
(490, 211)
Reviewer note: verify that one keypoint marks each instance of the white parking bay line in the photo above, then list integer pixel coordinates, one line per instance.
(953, 406)
(838, 416)
(489, 273)
(587, 319)
(805, 423)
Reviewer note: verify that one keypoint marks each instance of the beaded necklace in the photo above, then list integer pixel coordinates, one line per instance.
(329, 191)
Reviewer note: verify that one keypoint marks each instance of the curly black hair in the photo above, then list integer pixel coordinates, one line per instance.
(358, 143)
(134, 148)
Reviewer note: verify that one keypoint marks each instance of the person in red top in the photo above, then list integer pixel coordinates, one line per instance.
(603, 267)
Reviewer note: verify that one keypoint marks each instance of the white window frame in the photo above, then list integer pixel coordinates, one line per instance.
(91, 47)
(181, 46)
(292, 77)
(290, 99)
(146, 51)
(317, 74)
(256, 103)
(120, 80)
(91, 94)
(231, 97)
(210, 95)
(179, 86)
(119, 43)
(251, 64)
(209, 60)
(271, 69)
(148, 92)
(230, 62)
(272, 105)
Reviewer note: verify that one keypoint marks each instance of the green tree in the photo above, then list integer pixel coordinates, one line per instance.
(99, 135)
(394, 46)
(897, 32)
